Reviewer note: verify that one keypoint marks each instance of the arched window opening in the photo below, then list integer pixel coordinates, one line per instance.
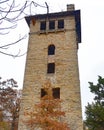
(51, 50)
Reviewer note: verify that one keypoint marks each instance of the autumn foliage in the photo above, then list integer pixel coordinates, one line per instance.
(9, 104)
(47, 113)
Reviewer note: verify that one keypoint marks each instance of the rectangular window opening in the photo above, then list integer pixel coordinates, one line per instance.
(43, 25)
(51, 25)
(43, 93)
(56, 93)
(51, 68)
(60, 24)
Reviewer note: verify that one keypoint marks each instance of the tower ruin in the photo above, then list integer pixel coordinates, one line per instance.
(52, 55)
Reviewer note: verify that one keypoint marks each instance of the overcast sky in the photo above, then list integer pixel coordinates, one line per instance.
(90, 53)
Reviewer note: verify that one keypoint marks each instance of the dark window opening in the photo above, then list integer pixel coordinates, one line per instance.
(43, 93)
(56, 92)
(43, 25)
(60, 24)
(51, 24)
(51, 50)
(51, 68)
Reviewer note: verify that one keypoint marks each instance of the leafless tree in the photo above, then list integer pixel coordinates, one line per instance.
(12, 11)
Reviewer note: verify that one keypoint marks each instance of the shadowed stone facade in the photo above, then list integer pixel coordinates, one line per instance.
(52, 55)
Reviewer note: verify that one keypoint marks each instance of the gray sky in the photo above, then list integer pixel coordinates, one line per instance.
(90, 53)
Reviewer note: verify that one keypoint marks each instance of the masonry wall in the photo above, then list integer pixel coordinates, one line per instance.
(66, 75)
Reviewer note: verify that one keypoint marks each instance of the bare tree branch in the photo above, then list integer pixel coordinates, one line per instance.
(3, 1)
(10, 27)
(7, 45)
(10, 14)
(7, 12)
(12, 55)
(11, 44)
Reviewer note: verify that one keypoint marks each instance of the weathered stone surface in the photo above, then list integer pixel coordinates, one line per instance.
(66, 75)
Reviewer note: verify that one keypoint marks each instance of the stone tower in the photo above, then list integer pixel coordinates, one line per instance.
(52, 55)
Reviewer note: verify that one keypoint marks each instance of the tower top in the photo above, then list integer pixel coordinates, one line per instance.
(70, 12)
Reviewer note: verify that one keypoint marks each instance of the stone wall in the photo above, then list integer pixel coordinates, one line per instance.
(66, 75)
